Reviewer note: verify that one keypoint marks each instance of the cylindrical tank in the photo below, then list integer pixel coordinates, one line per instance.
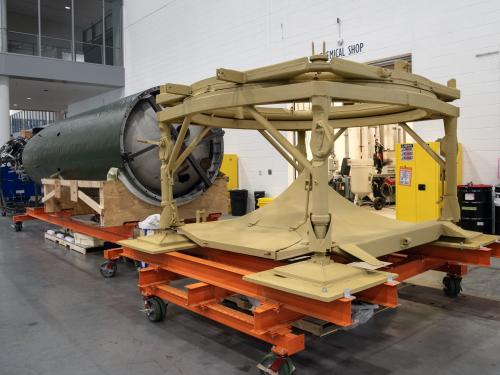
(86, 146)
(361, 177)
(475, 207)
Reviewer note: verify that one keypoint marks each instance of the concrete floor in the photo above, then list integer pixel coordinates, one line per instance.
(59, 316)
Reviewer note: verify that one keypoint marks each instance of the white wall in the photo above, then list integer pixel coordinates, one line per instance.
(184, 41)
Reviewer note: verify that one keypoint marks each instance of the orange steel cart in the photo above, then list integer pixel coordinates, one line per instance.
(219, 274)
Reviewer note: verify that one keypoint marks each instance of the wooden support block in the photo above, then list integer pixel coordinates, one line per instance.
(57, 189)
(73, 191)
(90, 202)
(116, 205)
(48, 196)
(215, 199)
(90, 184)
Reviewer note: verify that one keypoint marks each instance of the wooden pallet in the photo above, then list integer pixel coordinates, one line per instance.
(69, 245)
(115, 205)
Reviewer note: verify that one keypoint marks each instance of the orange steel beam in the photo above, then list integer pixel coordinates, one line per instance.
(63, 219)
(454, 269)
(414, 266)
(385, 294)
(114, 254)
(220, 274)
(495, 249)
(230, 278)
(479, 257)
(247, 262)
(422, 259)
(269, 322)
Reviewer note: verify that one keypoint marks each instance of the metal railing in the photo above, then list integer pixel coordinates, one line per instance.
(59, 48)
(29, 119)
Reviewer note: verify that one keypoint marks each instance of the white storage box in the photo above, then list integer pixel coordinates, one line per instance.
(87, 241)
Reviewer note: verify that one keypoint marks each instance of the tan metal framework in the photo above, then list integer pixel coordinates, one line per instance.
(248, 99)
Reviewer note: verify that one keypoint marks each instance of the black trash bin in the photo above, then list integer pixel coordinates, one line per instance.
(258, 194)
(239, 199)
(497, 209)
(475, 207)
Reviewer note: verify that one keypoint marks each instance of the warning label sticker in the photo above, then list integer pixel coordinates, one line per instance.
(405, 176)
(407, 151)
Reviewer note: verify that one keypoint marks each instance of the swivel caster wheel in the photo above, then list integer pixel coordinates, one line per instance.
(155, 309)
(18, 226)
(272, 364)
(108, 269)
(378, 203)
(452, 286)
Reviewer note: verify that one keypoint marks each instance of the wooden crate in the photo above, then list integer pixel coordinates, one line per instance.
(26, 134)
(116, 205)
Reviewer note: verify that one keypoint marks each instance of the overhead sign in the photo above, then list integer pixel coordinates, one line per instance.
(343, 51)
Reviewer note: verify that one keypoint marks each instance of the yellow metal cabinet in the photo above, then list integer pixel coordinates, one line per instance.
(418, 182)
(230, 169)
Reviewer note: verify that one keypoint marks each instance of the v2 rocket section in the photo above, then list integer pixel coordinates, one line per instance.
(88, 145)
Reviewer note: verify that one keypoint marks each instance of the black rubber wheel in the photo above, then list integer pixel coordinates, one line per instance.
(452, 286)
(156, 309)
(108, 269)
(18, 226)
(163, 306)
(287, 367)
(378, 203)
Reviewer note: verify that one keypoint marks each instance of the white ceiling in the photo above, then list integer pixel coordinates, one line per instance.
(57, 97)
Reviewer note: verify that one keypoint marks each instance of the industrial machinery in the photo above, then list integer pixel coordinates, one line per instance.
(17, 190)
(119, 135)
(310, 252)
(11, 155)
(362, 181)
(370, 187)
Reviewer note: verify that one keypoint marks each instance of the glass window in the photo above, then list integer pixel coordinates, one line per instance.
(113, 22)
(22, 27)
(56, 28)
(81, 30)
(88, 31)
